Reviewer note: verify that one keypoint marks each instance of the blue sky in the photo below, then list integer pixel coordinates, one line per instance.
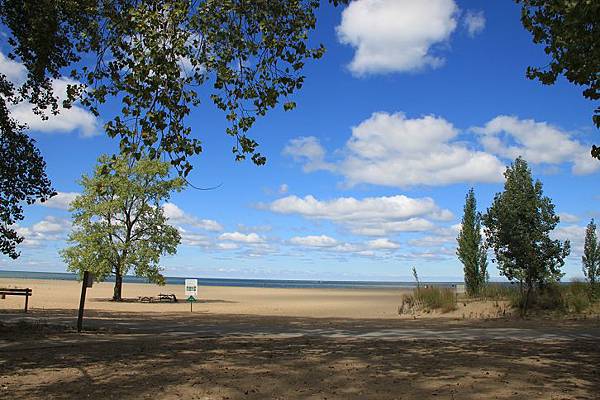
(412, 104)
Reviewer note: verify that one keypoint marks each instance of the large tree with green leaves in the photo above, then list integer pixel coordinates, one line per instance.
(518, 226)
(569, 31)
(591, 256)
(22, 175)
(158, 59)
(471, 249)
(119, 224)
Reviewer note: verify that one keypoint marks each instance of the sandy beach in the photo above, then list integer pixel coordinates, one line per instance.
(343, 303)
(261, 343)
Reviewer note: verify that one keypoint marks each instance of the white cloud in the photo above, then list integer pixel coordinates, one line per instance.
(440, 237)
(537, 142)
(61, 201)
(396, 35)
(393, 150)
(283, 188)
(49, 229)
(248, 238)
(368, 216)
(314, 241)
(14, 71)
(474, 22)
(569, 218)
(72, 119)
(178, 216)
(193, 239)
(309, 151)
(228, 246)
(575, 234)
(382, 244)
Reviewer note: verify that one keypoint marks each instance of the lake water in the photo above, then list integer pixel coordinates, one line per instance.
(267, 283)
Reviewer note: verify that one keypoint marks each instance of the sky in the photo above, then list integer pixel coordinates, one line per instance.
(413, 103)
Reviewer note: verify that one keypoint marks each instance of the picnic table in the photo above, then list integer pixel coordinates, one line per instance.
(170, 298)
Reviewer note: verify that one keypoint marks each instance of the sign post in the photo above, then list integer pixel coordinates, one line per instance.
(191, 291)
(88, 281)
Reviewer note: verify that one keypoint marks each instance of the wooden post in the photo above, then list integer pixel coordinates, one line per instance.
(84, 285)
(26, 300)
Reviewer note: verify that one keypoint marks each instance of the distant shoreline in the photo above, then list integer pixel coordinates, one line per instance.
(255, 283)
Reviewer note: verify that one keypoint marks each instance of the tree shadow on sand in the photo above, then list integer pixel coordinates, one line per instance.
(152, 365)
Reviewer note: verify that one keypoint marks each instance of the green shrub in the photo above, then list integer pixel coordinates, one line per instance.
(435, 298)
(497, 291)
(572, 298)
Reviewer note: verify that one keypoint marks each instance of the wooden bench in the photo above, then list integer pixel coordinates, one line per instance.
(16, 292)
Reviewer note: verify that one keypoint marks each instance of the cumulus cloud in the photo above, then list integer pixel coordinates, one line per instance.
(369, 216)
(537, 142)
(575, 234)
(382, 244)
(72, 119)
(314, 241)
(308, 151)
(193, 239)
(14, 71)
(177, 216)
(249, 238)
(474, 22)
(49, 229)
(396, 35)
(61, 201)
(569, 218)
(442, 236)
(393, 150)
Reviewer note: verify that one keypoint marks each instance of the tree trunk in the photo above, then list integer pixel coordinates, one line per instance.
(118, 287)
(527, 296)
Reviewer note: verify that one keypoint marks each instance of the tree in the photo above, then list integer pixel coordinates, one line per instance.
(154, 56)
(22, 175)
(518, 227)
(119, 224)
(569, 31)
(591, 256)
(471, 250)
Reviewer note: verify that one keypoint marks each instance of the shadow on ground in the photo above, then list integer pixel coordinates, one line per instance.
(115, 365)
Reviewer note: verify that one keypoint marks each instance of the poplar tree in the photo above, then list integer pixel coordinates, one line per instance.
(591, 256)
(518, 227)
(471, 249)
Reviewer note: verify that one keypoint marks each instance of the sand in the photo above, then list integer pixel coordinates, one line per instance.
(259, 343)
(313, 303)
(346, 303)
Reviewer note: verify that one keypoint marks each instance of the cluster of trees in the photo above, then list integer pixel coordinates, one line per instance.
(517, 228)
(158, 59)
(154, 56)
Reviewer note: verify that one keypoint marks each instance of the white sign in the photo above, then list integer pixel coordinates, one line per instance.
(191, 287)
(460, 289)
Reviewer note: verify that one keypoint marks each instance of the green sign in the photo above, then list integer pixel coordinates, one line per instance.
(191, 299)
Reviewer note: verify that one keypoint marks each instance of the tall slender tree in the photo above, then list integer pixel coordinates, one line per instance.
(591, 256)
(119, 224)
(471, 249)
(518, 226)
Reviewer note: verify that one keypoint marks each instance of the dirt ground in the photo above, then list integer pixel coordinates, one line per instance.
(242, 357)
